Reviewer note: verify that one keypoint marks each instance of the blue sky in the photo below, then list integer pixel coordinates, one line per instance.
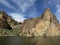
(23, 9)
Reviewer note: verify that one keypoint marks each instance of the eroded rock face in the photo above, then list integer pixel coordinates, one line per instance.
(11, 21)
(8, 19)
(46, 25)
(3, 21)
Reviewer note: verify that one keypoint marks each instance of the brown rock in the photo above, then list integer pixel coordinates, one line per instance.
(8, 19)
(46, 25)
(3, 21)
(11, 21)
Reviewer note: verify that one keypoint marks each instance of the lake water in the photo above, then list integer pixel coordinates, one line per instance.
(29, 41)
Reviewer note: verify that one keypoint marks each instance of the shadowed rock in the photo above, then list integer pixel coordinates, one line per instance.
(3, 21)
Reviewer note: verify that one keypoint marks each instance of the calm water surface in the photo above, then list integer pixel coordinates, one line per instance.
(29, 41)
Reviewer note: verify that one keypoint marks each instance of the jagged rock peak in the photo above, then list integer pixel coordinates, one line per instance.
(47, 9)
(3, 12)
(46, 25)
(48, 15)
(8, 19)
(47, 12)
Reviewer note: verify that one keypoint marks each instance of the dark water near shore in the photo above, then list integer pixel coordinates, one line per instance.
(29, 41)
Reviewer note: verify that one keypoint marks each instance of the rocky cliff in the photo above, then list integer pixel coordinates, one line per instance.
(11, 21)
(3, 21)
(6, 21)
(45, 25)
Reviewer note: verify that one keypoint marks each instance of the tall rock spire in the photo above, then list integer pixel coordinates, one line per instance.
(47, 13)
(46, 25)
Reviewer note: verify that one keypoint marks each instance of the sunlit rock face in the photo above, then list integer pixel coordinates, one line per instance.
(45, 25)
(3, 21)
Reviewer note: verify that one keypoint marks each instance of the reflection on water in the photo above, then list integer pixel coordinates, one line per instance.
(29, 41)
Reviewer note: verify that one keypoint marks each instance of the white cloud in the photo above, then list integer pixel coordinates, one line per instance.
(33, 13)
(58, 11)
(24, 4)
(17, 16)
(4, 2)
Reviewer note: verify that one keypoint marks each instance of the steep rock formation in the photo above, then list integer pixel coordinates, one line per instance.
(3, 21)
(11, 21)
(46, 25)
